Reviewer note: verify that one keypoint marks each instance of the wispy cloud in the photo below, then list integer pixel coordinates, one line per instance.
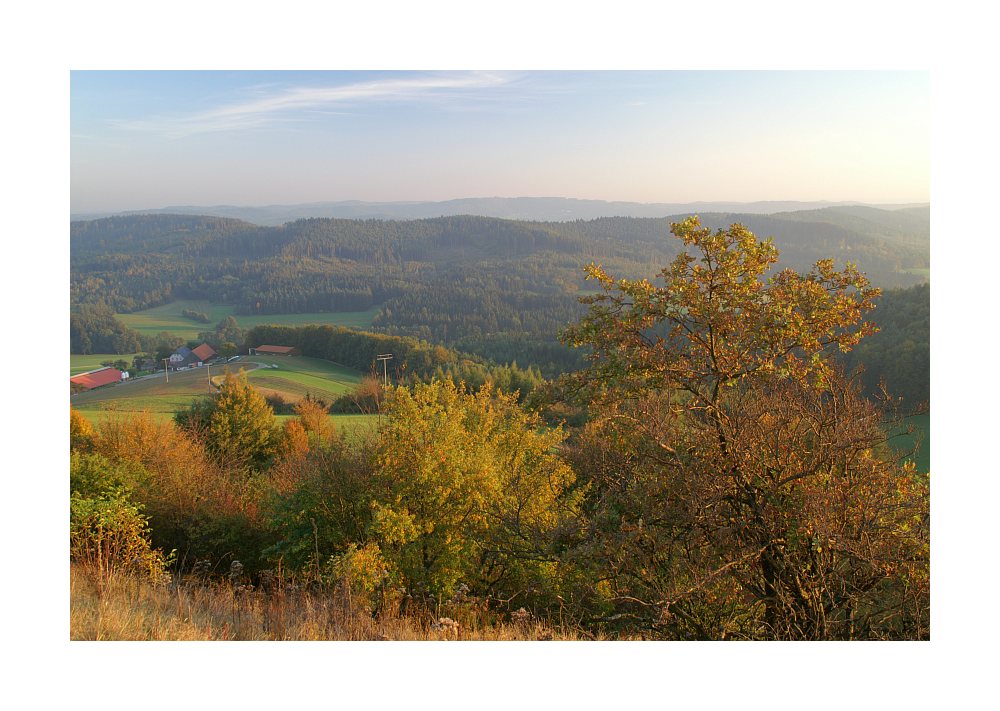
(289, 104)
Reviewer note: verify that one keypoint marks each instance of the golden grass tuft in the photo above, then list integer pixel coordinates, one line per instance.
(132, 609)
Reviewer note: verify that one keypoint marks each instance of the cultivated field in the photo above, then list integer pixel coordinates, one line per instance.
(169, 318)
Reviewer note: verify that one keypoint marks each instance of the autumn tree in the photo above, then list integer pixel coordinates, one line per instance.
(314, 418)
(470, 489)
(237, 424)
(740, 485)
(294, 441)
(81, 432)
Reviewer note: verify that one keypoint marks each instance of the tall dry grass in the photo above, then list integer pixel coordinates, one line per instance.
(128, 608)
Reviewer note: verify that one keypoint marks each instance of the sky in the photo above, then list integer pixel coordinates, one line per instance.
(150, 139)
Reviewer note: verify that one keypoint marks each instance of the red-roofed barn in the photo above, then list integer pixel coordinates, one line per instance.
(203, 352)
(277, 350)
(96, 378)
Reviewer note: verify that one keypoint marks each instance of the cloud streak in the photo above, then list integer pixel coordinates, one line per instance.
(290, 104)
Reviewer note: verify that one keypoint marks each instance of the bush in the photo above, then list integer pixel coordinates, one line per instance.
(198, 316)
(110, 537)
(362, 571)
(92, 476)
(81, 432)
(319, 505)
(195, 505)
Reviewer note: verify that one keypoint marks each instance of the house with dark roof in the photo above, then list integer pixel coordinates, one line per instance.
(180, 357)
(185, 357)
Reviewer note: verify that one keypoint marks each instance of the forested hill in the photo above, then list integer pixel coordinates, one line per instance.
(318, 264)
(134, 234)
(498, 288)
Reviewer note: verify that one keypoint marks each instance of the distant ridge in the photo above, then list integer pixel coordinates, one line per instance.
(549, 209)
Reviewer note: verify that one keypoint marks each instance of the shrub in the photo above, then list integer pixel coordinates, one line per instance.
(195, 504)
(108, 533)
(92, 475)
(110, 537)
(320, 503)
(81, 432)
(362, 571)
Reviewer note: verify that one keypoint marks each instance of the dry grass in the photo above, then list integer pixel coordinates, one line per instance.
(130, 609)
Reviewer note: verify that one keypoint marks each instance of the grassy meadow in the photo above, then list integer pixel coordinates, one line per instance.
(298, 375)
(292, 380)
(85, 363)
(169, 318)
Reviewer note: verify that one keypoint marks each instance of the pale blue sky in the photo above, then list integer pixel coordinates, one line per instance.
(151, 139)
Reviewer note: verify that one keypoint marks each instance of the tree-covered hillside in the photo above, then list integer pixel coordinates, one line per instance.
(900, 353)
(445, 278)
(502, 289)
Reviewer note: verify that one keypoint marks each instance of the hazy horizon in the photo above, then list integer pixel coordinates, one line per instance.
(150, 139)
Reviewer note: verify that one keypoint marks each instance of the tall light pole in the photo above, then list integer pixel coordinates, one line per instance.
(165, 371)
(209, 366)
(385, 358)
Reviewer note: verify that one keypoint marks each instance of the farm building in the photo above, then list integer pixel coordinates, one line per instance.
(96, 378)
(180, 357)
(204, 352)
(276, 350)
(186, 357)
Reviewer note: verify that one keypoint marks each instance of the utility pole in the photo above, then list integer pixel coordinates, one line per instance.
(165, 371)
(209, 366)
(385, 358)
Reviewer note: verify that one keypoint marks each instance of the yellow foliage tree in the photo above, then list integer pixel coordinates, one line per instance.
(471, 487)
(738, 488)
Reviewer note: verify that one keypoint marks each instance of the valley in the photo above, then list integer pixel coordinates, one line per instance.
(540, 412)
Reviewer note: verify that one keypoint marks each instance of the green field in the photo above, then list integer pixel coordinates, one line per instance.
(84, 363)
(296, 376)
(170, 319)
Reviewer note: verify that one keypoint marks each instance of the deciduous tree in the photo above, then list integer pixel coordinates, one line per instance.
(740, 484)
(471, 488)
(242, 427)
